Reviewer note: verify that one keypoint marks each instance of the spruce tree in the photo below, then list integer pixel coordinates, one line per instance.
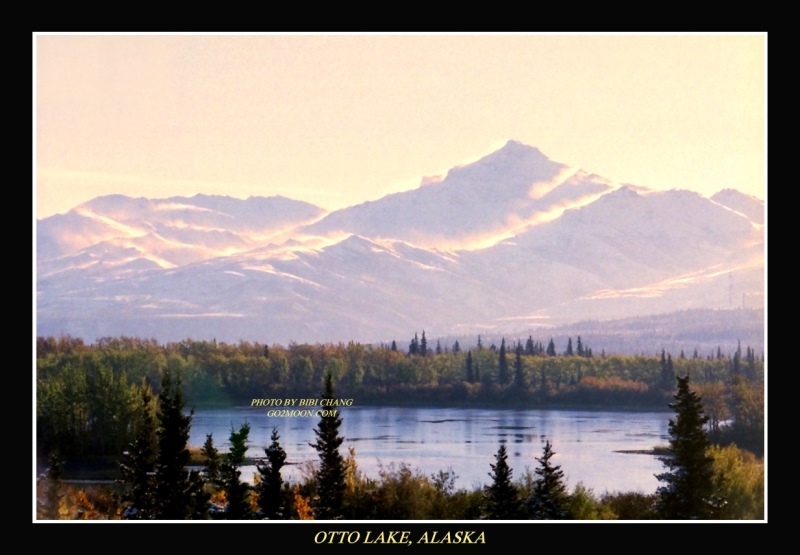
(667, 371)
(551, 348)
(330, 477)
(413, 347)
(137, 469)
(270, 497)
(179, 493)
(689, 489)
(237, 492)
(211, 465)
(569, 351)
(502, 372)
(519, 375)
(501, 496)
(470, 374)
(549, 499)
(529, 347)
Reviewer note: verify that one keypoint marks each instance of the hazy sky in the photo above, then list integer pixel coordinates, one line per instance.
(339, 119)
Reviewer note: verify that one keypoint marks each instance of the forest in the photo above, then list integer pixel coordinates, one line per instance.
(120, 405)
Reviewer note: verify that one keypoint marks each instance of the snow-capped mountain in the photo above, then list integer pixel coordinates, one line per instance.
(746, 204)
(492, 197)
(112, 232)
(512, 240)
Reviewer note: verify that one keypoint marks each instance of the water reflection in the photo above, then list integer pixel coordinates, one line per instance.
(433, 439)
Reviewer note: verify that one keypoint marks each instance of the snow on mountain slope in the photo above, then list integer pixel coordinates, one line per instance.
(177, 230)
(513, 239)
(747, 205)
(79, 228)
(490, 197)
(625, 237)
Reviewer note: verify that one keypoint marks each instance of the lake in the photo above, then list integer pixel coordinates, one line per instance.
(465, 440)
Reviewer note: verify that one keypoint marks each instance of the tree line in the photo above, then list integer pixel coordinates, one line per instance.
(88, 395)
(156, 483)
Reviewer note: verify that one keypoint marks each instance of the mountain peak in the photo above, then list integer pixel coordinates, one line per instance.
(513, 144)
(514, 154)
(514, 147)
(513, 158)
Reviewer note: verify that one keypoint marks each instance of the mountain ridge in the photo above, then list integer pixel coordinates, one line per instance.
(526, 239)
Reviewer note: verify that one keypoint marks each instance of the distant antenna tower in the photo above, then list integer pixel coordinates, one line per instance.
(730, 289)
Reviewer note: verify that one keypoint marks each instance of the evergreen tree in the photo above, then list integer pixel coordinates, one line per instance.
(211, 465)
(549, 499)
(736, 360)
(579, 349)
(667, 371)
(438, 347)
(470, 375)
(423, 345)
(270, 497)
(456, 347)
(502, 373)
(751, 363)
(331, 474)
(529, 348)
(551, 348)
(413, 347)
(688, 491)
(137, 469)
(569, 352)
(519, 375)
(394, 345)
(236, 491)
(179, 493)
(501, 496)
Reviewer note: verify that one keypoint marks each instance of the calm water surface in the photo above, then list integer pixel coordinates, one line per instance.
(464, 440)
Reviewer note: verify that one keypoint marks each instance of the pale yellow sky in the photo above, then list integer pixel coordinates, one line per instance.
(340, 119)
